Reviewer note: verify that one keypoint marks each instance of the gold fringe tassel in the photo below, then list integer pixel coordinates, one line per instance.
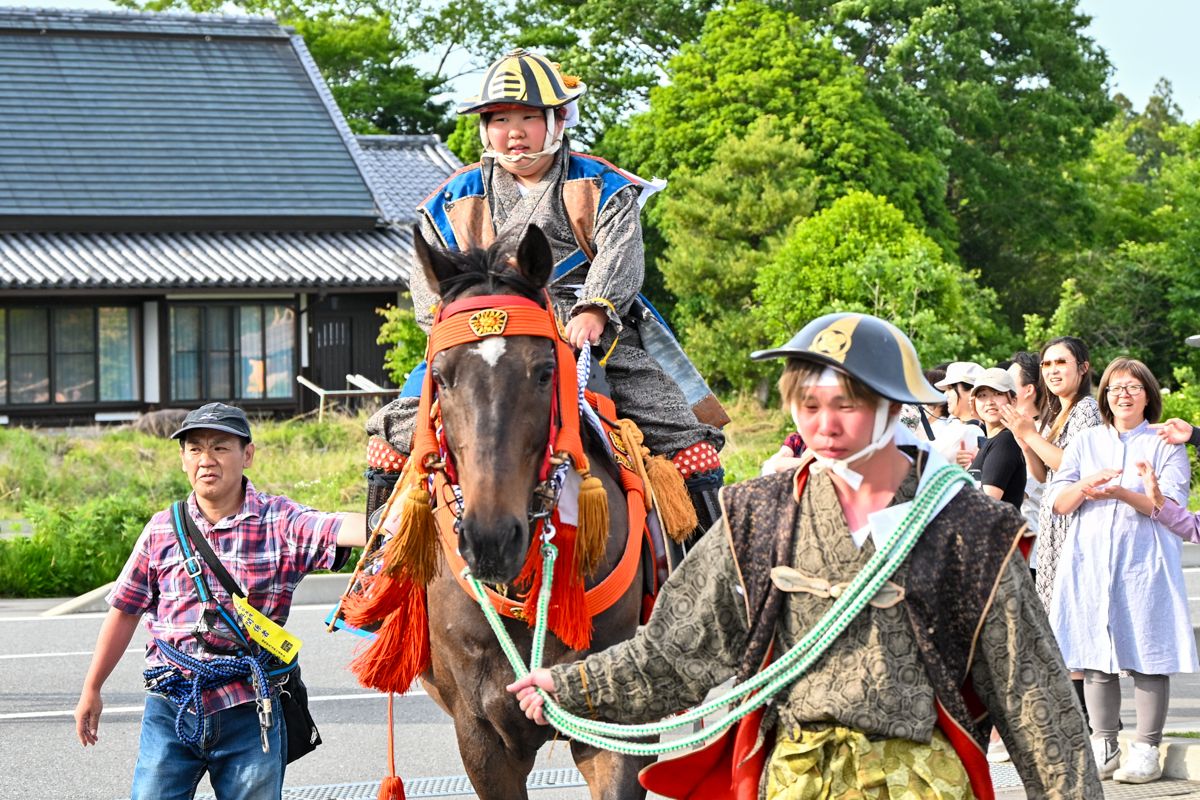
(591, 535)
(671, 497)
(413, 552)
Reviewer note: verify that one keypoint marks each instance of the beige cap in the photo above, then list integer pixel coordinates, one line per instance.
(959, 372)
(994, 378)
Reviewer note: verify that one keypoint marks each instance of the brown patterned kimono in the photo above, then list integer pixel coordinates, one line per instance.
(969, 615)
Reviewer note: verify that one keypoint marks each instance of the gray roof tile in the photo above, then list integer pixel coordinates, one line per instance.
(152, 116)
(404, 170)
(368, 258)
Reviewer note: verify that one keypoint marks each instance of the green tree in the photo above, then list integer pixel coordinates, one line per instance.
(407, 340)
(721, 226)
(1014, 90)
(1114, 302)
(752, 61)
(860, 254)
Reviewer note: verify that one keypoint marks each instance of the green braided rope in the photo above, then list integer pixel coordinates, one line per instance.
(784, 671)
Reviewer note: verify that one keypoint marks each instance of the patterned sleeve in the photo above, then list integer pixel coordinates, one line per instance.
(1020, 676)
(1085, 414)
(136, 589)
(311, 536)
(693, 642)
(617, 272)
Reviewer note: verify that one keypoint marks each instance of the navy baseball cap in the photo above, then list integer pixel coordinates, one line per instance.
(217, 417)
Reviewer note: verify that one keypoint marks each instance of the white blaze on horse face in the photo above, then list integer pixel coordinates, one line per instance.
(490, 349)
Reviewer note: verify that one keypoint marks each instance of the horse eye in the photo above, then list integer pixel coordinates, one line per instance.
(545, 375)
(438, 379)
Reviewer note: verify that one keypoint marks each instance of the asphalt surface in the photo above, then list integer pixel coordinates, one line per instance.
(43, 661)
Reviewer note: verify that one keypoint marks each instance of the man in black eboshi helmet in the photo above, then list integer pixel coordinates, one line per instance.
(950, 640)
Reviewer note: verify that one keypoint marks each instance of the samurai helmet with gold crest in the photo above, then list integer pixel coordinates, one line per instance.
(868, 349)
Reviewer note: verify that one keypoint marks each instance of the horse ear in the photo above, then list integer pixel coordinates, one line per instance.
(436, 266)
(534, 258)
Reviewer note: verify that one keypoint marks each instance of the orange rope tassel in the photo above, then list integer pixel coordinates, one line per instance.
(391, 787)
(377, 597)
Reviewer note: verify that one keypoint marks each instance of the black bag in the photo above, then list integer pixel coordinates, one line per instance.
(300, 732)
(302, 736)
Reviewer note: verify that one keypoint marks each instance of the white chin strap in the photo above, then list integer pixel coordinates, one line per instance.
(881, 435)
(549, 147)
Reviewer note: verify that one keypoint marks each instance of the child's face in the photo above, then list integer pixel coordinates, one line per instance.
(517, 130)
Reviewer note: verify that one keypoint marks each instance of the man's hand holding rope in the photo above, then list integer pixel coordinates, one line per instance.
(526, 691)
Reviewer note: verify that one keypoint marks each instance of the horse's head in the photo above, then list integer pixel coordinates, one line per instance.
(495, 398)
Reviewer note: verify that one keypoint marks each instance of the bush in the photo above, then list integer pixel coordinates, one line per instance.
(73, 549)
(88, 495)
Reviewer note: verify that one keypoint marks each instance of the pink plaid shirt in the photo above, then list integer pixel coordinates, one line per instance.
(267, 547)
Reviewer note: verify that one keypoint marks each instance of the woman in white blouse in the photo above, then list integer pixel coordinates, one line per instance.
(1119, 601)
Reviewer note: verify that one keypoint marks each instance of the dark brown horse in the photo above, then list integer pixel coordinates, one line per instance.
(495, 401)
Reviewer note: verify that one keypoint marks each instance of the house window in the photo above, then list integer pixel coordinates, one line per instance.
(232, 352)
(68, 354)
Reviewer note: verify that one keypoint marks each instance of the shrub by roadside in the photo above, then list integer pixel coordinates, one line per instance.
(88, 494)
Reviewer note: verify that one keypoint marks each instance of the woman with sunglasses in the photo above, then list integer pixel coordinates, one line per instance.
(1120, 603)
(1067, 408)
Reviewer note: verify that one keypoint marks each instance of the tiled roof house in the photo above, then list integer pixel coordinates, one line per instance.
(185, 216)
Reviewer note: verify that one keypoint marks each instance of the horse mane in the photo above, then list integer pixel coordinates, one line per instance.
(491, 270)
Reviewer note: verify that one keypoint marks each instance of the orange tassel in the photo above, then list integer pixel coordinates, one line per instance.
(671, 498)
(377, 597)
(400, 651)
(567, 617)
(391, 788)
(413, 552)
(592, 535)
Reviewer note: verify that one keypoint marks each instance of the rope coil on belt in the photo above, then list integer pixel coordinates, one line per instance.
(186, 693)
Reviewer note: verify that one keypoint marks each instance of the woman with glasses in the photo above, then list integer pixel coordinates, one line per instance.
(1120, 603)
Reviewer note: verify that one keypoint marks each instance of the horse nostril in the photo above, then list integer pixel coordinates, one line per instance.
(494, 549)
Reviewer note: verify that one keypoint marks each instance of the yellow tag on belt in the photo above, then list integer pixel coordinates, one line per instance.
(270, 635)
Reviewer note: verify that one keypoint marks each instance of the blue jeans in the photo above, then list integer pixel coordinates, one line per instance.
(230, 750)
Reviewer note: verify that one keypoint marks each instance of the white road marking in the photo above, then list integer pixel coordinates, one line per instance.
(111, 711)
(57, 655)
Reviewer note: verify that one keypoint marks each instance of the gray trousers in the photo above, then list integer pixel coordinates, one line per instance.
(1151, 695)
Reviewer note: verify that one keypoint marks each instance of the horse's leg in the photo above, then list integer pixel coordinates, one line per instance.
(609, 775)
(496, 773)
(467, 676)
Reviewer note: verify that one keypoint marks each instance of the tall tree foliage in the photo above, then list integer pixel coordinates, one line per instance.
(1014, 89)
(721, 226)
(753, 61)
(861, 254)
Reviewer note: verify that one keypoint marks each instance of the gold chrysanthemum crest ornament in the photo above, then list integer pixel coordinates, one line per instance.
(488, 322)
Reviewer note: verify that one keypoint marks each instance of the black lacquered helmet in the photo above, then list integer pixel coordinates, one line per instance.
(866, 348)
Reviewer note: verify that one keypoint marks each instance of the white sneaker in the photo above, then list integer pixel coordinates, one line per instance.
(1142, 766)
(997, 753)
(1108, 757)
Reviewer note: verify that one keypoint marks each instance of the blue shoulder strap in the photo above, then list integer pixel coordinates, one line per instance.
(192, 564)
(467, 182)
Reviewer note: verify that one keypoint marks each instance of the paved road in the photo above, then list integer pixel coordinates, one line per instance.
(42, 662)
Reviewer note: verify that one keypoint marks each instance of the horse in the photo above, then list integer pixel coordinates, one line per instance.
(495, 401)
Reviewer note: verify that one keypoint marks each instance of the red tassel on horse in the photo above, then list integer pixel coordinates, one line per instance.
(400, 651)
(568, 618)
(377, 597)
